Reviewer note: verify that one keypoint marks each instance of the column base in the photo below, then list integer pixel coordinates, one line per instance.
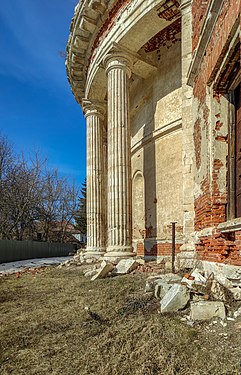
(115, 253)
(94, 253)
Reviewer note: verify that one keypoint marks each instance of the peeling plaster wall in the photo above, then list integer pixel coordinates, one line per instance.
(157, 153)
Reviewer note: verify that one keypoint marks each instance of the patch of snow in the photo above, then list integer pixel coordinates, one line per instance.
(19, 265)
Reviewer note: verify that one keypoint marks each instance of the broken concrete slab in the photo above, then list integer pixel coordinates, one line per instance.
(175, 299)
(228, 271)
(169, 278)
(103, 271)
(198, 277)
(125, 266)
(223, 281)
(90, 273)
(205, 310)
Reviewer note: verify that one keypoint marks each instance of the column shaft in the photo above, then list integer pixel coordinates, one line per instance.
(119, 162)
(95, 182)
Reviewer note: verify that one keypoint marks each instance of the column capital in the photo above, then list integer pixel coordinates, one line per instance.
(185, 6)
(93, 107)
(118, 60)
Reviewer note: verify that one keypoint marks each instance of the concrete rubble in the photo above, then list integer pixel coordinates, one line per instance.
(175, 299)
(207, 294)
(125, 266)
(205, 310)
(103, 271)
(81, 258)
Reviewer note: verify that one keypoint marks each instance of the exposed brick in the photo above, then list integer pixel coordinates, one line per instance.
(157, 249)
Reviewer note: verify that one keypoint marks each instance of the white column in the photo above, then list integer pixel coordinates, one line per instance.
(119, 161)
(95, 197)
(187, 136)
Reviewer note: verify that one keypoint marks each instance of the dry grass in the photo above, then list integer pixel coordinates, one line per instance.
(45, 329)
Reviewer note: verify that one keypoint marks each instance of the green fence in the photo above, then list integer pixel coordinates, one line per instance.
(20, 250)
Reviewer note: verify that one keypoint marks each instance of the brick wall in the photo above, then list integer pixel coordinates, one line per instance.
(221, 248)
(159, 249)
(199, 10)
(219, 40)
(211, 200)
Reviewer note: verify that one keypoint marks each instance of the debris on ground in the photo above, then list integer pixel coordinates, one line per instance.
(203, 295)
(205, 310)
(175, 299)
(103, 271)
(125, 266)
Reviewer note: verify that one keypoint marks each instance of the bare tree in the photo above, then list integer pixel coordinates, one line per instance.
(33, 199)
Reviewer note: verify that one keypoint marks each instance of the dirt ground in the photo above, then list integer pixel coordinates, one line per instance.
(46, 328)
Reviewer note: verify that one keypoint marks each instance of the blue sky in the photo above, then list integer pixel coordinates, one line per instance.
(37, 108)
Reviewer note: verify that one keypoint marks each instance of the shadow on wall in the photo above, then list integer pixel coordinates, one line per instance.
(147, 107)
(149, 168)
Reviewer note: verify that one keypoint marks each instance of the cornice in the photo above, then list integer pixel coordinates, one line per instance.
(88, 18)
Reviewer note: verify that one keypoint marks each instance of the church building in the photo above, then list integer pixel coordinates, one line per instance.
(159, 85)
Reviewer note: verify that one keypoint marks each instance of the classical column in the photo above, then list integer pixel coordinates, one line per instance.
(95, 197)
(119, 161)
(188, 247)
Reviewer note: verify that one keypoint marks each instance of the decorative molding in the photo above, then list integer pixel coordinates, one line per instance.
(93, 107)
(118, 59)
(185, 5)
(230, 226)
(228, 75)
(158, 133)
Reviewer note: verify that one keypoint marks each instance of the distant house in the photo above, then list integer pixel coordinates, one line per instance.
(58, 231)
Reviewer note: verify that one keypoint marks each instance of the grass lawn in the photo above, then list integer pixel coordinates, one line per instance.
(45, 329)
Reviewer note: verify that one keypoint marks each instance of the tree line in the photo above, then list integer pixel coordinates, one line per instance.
(36, 203)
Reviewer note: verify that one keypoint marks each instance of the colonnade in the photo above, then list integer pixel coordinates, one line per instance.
(109, 174)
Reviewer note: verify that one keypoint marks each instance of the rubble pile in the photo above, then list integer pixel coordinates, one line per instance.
(208, 295)
(79, 259)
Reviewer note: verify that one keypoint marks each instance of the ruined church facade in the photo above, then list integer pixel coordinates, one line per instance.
(159, 85)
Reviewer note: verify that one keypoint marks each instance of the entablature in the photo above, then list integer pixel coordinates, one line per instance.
(100, 27)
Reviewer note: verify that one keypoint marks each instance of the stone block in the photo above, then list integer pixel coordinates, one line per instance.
(169, 278)
(125, 266)
(223, 281)
(103, 271)
(205, 310)
(233, 273)
(236, 293)
(185, 260)
(175, 299)
(161, 289)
